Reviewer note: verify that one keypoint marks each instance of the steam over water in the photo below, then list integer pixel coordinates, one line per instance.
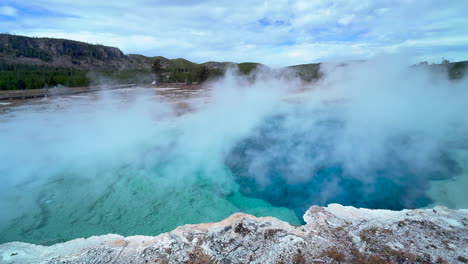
(144, 161)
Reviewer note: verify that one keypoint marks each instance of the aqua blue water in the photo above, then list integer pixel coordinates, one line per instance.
(75, 168)
(389, 181)
(79, 167)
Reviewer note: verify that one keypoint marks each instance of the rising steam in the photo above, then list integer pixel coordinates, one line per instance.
(372, 134)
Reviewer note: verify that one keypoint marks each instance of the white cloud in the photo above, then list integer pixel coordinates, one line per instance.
(274, 32)
(346, 19)
(8, 11)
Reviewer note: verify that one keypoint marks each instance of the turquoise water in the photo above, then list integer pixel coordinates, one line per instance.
(135, 202)
(299, 177)
(129, 163)
(75, 167)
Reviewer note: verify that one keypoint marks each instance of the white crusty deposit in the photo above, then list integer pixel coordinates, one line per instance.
(333, 234)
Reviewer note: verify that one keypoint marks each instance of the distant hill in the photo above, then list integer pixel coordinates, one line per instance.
(52, 52)
(28, 63)
(66, 53)
(307, 72)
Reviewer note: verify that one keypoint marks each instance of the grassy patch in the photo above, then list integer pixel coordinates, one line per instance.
(334, 254)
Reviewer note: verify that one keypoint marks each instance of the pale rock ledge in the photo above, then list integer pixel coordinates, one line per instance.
(333, 234)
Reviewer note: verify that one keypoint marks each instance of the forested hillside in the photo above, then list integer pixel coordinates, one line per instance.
(33, 63)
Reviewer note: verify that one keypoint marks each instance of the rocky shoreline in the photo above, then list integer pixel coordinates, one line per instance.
(333, 234)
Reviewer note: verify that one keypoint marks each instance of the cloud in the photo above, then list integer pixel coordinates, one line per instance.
(250, 30)
(8, 11)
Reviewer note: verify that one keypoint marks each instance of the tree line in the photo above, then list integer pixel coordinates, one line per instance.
(188, 72)
(28, 76)
(18, 76)
(25, 76)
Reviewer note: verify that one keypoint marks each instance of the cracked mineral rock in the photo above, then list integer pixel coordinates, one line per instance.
(333, 234)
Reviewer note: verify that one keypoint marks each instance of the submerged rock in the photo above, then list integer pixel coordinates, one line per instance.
(333, 234)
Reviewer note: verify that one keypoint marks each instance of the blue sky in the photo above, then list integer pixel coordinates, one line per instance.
(281, 32)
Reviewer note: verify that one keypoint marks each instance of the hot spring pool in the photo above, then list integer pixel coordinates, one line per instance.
(128, 164)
